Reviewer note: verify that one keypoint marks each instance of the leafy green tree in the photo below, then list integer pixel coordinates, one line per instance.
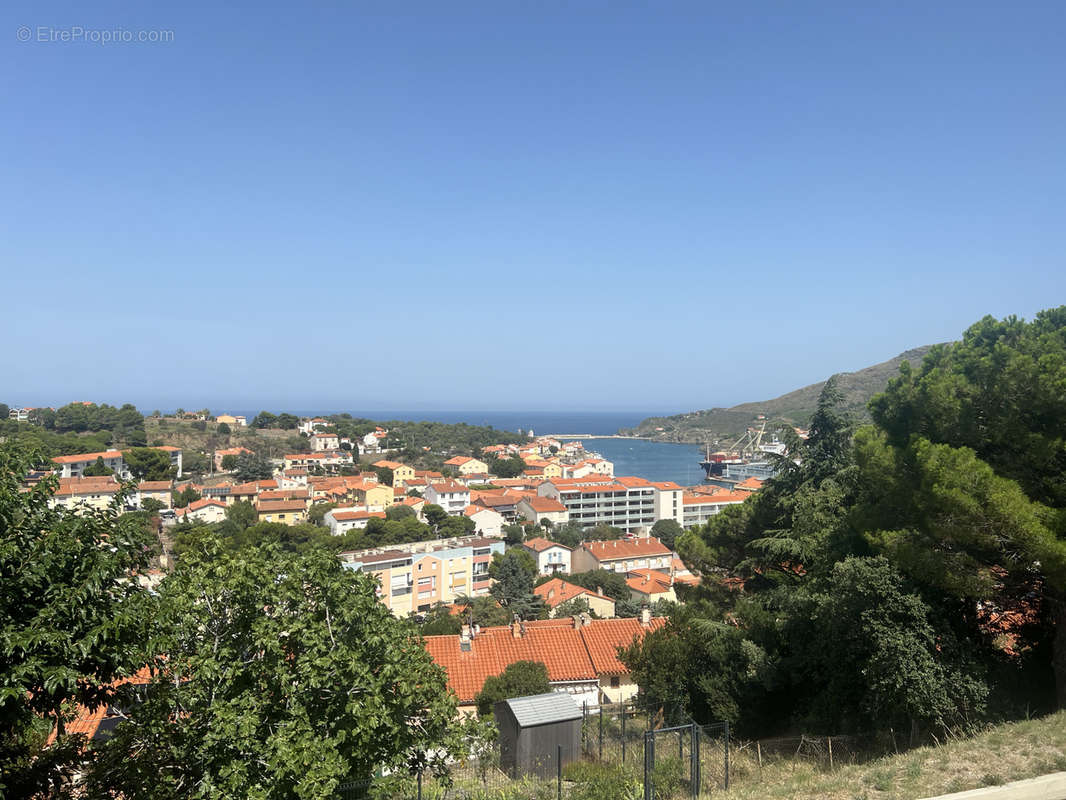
(229, 462)
(289, 680)
(288, 422)
(483, 611)
(242, 515)
(514, 534)
(223, 429)
(385, 476)
(515, 571)
(889, 664)
(5, 410)
(440, 621)
(520, 679)
(97, 468)
(194, 462)
(152, 506)
(264, 419)
(253, 467)
(400, 512)
(667, 531)
(182, 498)
(149, 464)
(71, 623)
(696, 667)
(506, 467)
(573, 607)
(434, 514)
(613, 584)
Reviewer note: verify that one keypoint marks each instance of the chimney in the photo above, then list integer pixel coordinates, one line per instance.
(551, 593)
(516, 628)
(599, 591)
(464, 639)
(645, 616)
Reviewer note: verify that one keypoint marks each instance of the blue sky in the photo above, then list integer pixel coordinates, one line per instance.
(516, 205)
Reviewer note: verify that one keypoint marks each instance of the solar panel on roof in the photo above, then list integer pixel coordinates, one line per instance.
(541, 709)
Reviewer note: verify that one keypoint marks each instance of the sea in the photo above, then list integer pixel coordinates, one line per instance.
(656, 461)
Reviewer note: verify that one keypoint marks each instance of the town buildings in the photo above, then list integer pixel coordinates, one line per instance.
(581, 656)
(415, 577)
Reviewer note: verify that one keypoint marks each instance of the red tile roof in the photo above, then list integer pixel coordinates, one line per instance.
(77, 459)
(569, 653)
(557, 591)
(603, 638)
(613, 549)
(539, 544)
(544, 505)
(268, 506)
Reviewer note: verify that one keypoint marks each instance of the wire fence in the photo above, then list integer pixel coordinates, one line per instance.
(645, 755)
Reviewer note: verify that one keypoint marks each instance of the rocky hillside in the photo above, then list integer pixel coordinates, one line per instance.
(794, 408)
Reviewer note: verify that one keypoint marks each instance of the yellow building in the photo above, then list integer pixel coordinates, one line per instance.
(229, 419)
(400, 472)
(291, 512)
(465, 465)
(414, 577)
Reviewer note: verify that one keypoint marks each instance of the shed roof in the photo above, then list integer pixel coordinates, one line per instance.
(542, 709)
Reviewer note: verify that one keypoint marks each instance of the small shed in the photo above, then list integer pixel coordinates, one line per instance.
(532, 729)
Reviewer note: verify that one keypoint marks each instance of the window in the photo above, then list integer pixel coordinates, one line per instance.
(615, 682)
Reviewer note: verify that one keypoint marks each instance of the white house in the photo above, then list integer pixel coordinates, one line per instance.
(488, 522)
(321, 442)
(451, 496)
(342, 520)
(551, 556)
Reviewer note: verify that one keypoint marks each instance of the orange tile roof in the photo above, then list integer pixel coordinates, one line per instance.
(603, 638)
(280, 505)
(720, 498)
(648, 581)
(613, 549)
(559, 648)
(155, 486)
(347, 516)
(449, 487)
(557, 591)
(570, 654)
(544, 505)
(77, 459)
(458, 461)
(539, 544)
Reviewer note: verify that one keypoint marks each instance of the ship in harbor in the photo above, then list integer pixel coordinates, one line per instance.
(745, 458)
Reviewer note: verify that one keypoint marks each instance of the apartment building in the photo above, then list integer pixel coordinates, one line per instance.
(626, 503)
(414, 577)
(698, 508)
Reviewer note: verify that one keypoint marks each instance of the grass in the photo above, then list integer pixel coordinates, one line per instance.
(999, 755)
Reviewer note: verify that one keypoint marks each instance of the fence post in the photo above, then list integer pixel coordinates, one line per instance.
(623, 734)
(681, 746)
(694, 758)
(649, 764)
(584, 721)
(727, 757)
(559, 769)
(829, 739)
(601, 733)
(420, 785)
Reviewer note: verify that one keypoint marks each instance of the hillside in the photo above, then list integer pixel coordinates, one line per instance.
(794, 408)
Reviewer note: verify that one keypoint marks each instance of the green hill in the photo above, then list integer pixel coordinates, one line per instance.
(794, 408)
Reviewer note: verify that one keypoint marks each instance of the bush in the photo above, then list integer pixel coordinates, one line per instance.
(601, 782)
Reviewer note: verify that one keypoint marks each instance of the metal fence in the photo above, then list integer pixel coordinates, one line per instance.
(668, 762)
